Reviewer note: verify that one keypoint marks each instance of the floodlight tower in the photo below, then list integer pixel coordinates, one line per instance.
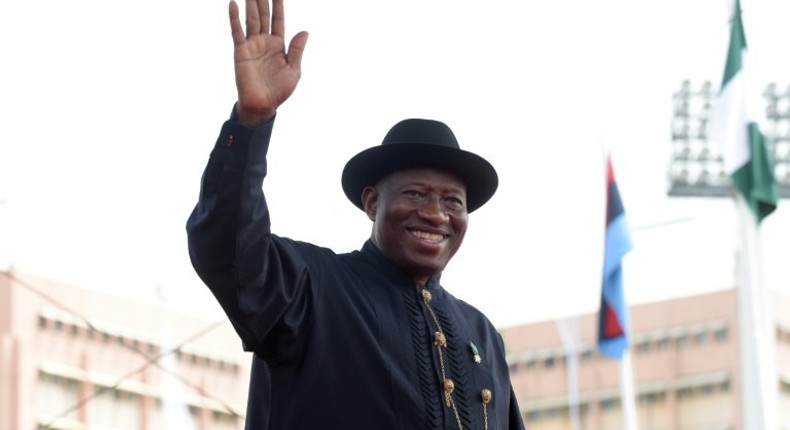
(777, 133)
(696, 168)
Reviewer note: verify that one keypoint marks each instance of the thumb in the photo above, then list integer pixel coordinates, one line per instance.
(296, 49)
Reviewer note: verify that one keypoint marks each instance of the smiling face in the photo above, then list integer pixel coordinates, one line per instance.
(419, 219)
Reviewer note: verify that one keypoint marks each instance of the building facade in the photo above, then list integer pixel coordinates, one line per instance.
(686, 368)
(76, 359)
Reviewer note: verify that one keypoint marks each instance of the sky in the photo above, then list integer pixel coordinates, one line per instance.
(110, 109)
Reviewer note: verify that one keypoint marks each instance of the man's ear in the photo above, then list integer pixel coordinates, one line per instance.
(370, 201)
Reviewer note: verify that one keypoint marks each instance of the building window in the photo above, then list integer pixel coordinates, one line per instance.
(557, 411)
(609, 404)
(224, 421)
(686, 392)
(116, 409)
(721, 334)
(174, 413)
(533, 416)
(701, 338)
(56, 397)
(652, 398)
(643, 346)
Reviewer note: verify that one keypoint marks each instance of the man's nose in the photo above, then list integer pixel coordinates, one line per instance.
(434, 210)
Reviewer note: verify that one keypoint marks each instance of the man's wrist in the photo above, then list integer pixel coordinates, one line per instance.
(251, 120)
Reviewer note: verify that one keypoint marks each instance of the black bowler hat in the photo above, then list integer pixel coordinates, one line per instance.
(417, 143)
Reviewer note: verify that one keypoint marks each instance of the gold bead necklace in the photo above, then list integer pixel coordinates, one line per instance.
(440, 340)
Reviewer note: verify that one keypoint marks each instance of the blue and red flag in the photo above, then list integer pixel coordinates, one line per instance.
(613, 315)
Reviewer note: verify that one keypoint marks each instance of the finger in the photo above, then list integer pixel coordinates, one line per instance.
(263, 15)
(296, 49)
(235, 23)
(278, 18)
(252, 17)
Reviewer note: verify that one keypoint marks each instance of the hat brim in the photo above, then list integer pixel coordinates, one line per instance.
(373, 164)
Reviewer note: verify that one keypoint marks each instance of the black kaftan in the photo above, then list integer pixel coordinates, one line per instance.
(341, 341)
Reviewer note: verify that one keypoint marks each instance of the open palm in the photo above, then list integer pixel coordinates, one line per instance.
(266, 74)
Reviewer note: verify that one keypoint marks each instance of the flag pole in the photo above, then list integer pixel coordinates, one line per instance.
(570, 334)
(734, 126)
(759, 393)
(616, 343)
(627, 393)
(627, 386)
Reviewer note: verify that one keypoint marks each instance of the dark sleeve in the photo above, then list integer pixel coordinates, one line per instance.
(259, 279)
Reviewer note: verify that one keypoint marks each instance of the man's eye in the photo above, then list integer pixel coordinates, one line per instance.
(413, 193)
(454, 203)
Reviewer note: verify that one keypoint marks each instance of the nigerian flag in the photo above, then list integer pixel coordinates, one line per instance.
(734, 129)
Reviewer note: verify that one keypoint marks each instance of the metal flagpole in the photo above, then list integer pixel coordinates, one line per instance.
(627, 394)
(759, 386)
(570, 334)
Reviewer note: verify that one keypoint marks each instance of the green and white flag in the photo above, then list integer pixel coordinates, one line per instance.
(733, 127)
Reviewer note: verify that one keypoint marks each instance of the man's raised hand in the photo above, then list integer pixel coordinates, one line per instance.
(266, 74)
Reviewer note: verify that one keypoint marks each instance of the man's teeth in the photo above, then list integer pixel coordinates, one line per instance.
(430, 237)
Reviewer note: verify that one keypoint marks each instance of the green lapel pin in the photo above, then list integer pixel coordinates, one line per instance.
(475, 353)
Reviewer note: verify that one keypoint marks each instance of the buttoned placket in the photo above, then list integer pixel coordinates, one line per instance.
(440, 342)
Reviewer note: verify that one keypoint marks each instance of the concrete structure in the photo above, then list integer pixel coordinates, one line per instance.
(686, 365)
(75, 359)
